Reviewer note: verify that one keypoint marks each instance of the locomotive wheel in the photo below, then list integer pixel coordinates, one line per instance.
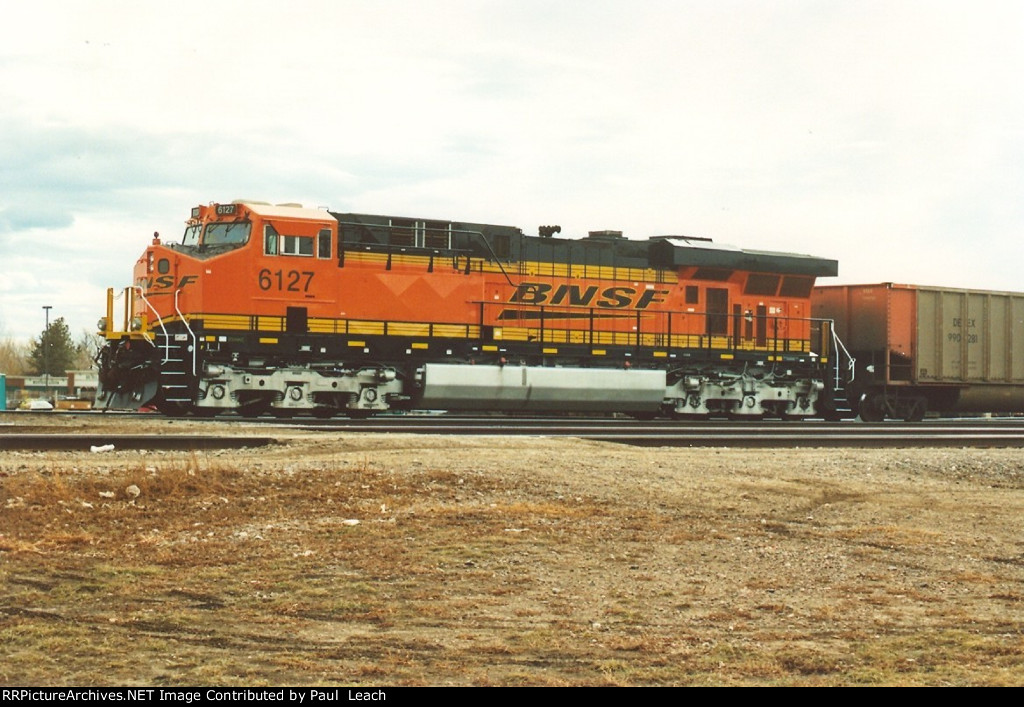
(737, 417)
(170, 409)
(692, 417)
(254, 409)
(748, 403)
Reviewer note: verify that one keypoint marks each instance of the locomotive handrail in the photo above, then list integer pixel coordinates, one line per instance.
(184, 321)
(836, 341)
(413, 250)
(159, 320)
(494, 256)
(778, 340)
(391, 248)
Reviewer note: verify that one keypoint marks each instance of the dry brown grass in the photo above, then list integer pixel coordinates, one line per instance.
(510, 563)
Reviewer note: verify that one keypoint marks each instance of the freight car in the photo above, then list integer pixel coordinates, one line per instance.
(283, 309)
(921, 349)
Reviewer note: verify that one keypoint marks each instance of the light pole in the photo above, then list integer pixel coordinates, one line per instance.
(46, 355)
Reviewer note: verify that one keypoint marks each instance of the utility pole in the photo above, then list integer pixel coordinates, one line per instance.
(46, 355)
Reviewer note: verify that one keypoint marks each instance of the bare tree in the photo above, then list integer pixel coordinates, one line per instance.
(86, 347)
(14, 357)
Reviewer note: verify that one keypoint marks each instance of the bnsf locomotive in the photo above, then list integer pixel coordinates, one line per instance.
(284, 309)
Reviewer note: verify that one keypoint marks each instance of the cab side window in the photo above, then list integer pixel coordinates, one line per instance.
(297, 245)
(275, 243)
(323, 244)
(270, 240)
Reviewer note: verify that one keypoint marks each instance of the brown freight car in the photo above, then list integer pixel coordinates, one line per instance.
(921, 349)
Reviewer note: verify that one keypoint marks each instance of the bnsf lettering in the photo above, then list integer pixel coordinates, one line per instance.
(528, 293)
(585, 296)
(615, 297)
(650, 296)
(576, 297)
(166, 282)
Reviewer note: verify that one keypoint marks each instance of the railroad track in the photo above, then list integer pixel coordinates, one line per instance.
(665, 433)
(773, 434)
(86, 441)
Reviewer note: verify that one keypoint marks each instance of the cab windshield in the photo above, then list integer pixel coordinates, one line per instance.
(206, 240)
(192, 235)
(234, 233)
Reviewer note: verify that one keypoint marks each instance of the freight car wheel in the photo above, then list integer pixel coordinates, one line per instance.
(872, 408)
(915, 409)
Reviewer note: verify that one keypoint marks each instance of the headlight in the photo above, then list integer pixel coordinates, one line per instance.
(136, 323)
(101, 325)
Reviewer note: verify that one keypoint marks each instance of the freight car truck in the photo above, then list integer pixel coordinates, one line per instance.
(921, 349)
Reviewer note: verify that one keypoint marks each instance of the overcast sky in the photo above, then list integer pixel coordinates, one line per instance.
(887, 135)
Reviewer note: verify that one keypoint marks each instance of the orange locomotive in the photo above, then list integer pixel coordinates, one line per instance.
(288, 309)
